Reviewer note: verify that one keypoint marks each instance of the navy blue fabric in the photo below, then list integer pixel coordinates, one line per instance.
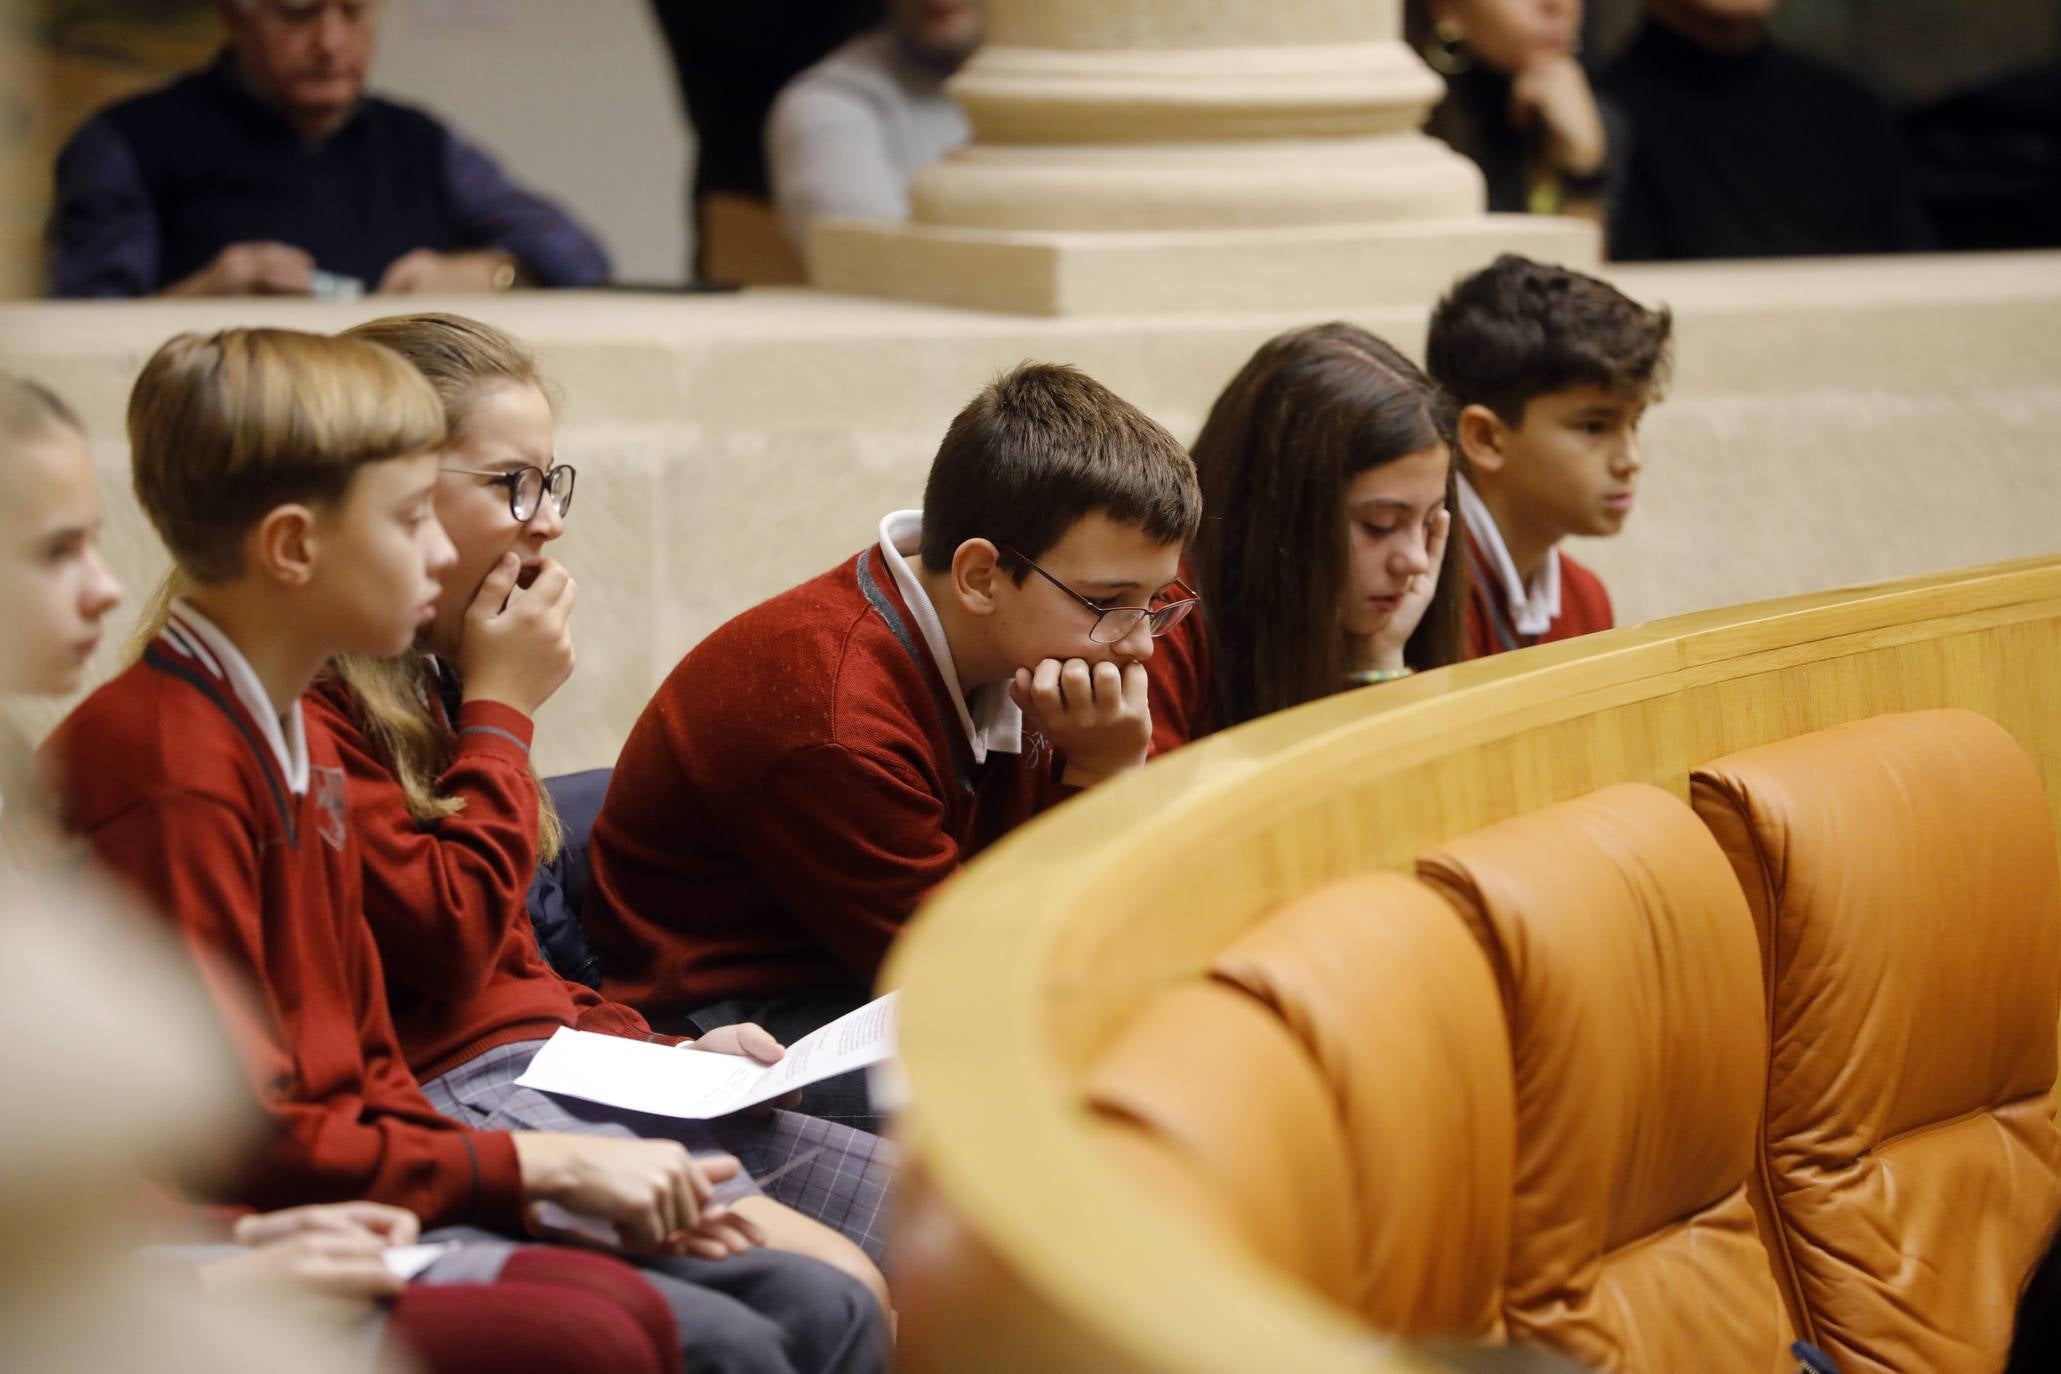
(150, 190)
(222, 168)
(560, 887)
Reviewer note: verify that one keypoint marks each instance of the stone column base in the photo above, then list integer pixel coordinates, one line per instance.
(1320, 268)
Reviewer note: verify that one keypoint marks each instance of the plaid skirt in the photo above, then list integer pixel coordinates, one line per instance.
(844, 1186)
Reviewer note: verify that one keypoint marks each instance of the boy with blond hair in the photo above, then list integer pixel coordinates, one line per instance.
(292, 477)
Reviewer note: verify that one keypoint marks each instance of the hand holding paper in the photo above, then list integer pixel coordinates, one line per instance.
(644, 1077)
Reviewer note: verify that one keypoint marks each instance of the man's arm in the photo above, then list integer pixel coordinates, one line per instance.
(102, 235)
(492, 212)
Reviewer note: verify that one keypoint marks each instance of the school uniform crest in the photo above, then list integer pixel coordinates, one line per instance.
(331, 804)
(1035, 748)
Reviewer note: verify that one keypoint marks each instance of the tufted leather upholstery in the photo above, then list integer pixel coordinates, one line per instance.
(1232, 1119)
(1391, 998)
(1626, 961)
(1901, 875)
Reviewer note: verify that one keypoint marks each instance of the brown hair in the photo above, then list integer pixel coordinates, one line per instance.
(461, 358)
(227, 427)
(1309, 412)
(1518, 329)
(1042, 446)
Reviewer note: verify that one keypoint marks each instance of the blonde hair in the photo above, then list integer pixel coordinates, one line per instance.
(460, 359)
(226, 427)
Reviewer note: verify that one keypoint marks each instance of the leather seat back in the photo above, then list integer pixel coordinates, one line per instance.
(1901, 874)
(1626, 963)
(1391, 998)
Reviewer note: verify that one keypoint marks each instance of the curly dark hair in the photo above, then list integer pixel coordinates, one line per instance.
(1518, 329)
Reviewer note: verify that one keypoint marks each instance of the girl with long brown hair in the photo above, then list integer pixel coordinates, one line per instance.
(1322, 560)
(451, 821)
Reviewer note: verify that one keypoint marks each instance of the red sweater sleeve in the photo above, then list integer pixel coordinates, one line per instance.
(595, 1013)
(440, 900)
(197, 861)
(1178, 677)
(850, 842)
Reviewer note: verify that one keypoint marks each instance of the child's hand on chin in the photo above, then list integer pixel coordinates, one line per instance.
(1385, 647)
(1097, 715)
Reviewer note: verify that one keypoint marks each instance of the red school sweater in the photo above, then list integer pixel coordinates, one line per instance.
(1584, 607)
(798, 785)
(447, 903)
(166, 775)
(1178, 680)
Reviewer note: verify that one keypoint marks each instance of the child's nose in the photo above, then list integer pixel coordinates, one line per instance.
(1632, 456)
(1414, 556)
(548, 523)
(1138, 643)
(443, 554)
(103, 591)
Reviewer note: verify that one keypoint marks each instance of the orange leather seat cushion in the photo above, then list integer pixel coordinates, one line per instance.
(1626, 962)
(1235, 1125)
(1390, 997)
(1902, 877)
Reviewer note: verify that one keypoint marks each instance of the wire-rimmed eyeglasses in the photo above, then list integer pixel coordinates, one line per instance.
(1113, 623)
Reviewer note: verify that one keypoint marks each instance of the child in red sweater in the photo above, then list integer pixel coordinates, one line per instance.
(1331, 444)
(1552, 371)
(293, 477)
(450, 819)
(813, 769)
(550, 1310)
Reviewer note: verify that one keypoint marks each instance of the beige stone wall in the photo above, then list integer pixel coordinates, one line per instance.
(1831, 423)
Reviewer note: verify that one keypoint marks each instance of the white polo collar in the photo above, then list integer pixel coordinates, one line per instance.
(197, 637)
(992, 719)
(1532, 610)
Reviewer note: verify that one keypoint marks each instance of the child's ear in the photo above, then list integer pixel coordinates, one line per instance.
(282, 547)
(976, 574)
(1481, 439)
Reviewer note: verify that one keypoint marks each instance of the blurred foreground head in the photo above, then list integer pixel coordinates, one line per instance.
(115, 1067)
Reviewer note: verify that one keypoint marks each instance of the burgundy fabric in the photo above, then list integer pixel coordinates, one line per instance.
(552, 1311)
(165, 775)
(1584, 606)
(796, 788)
(446, 903)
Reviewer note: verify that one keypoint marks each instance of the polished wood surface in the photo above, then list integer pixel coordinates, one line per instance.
(1024, 1248)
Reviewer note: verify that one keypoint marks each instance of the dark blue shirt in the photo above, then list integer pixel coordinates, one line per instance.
(150, 190)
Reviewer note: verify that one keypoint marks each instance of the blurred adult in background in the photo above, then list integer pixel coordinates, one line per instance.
(1519, 104)
(273, 173)
(846, 135)
(1987, 161)
(1743, 149)
(731, 60)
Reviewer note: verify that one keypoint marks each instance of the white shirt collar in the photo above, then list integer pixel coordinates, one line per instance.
(1532, 609)
(194, 635)
(992, 719)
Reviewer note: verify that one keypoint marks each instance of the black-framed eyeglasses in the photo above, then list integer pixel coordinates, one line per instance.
(1113, 623)
(527, 485)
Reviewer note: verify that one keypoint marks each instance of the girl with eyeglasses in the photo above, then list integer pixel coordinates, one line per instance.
(1322, 560)
(453, 822)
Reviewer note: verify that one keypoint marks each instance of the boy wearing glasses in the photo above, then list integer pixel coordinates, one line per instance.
(811, 770)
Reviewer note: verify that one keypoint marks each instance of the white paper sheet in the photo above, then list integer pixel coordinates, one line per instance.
(644, 1077)
(406, 1261)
